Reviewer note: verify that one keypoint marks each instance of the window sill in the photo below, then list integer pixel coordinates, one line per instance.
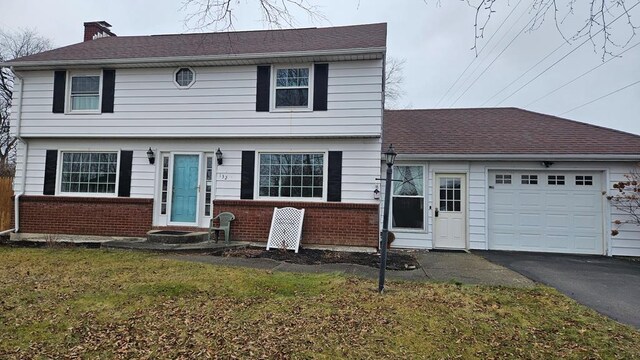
(291, 110)
(291, 199)
(87, 194)
(84, 112)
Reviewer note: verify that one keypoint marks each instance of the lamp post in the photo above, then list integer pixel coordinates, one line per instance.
(390, 158)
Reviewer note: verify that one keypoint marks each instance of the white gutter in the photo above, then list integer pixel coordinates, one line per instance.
(16, 207)
(529, 157)
(198, 58)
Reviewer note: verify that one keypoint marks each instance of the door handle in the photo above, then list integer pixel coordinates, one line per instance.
(437, 212)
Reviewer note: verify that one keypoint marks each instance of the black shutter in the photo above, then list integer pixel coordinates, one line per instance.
(320, 84)
(59, 83)
(262, 88)
(108, 85)
(50, 167)
(126, 159)
(334, 178)
(246, 177)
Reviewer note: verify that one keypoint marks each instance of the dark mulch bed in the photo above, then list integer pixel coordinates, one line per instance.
(395, 260)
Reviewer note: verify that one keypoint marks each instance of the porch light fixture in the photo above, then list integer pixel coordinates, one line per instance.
(151, 156)
(219, 156)
(376, 193)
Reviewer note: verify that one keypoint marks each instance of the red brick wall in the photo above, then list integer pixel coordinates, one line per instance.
(324, 223)
(85, 216)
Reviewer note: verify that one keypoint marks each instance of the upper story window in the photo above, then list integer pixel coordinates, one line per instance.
(292, 87)
(184, 77)
(85, 93)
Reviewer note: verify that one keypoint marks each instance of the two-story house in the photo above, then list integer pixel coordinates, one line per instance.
(123, 134)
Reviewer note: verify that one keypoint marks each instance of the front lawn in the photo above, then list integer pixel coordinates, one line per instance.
(58, 303)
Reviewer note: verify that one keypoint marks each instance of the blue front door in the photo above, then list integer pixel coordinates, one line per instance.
(184, 200)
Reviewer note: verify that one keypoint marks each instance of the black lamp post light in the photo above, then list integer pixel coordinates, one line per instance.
(390, 158)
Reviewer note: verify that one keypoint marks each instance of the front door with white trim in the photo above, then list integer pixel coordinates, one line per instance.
(450, 212)
(184, 194)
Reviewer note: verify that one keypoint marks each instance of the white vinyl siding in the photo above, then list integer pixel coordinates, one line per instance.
(220, 103)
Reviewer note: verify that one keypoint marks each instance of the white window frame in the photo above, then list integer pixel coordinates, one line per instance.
(272, 96)
(80, 73)
(325, 173)
(184, 87)
(85, 194)
(425, 179)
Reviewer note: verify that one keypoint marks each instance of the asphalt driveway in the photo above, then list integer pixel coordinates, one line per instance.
(611, 286)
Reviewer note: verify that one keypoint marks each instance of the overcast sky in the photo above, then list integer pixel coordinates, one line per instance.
(434, 40)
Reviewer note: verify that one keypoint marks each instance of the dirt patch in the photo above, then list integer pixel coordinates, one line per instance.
(395, 260)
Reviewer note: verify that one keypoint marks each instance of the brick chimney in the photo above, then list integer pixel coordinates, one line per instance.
(96, 29)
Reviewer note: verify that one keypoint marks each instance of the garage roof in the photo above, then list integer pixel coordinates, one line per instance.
(499, 131)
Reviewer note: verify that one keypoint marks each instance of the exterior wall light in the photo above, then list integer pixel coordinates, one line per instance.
(376, 194)
(219, 156)
(151, 156)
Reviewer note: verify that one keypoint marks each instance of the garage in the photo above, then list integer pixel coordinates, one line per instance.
(546, 211)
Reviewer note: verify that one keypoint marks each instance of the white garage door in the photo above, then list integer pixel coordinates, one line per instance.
(546, 211)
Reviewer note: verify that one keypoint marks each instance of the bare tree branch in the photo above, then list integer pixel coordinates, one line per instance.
(13, 45)
(219, 15)
(394, 78)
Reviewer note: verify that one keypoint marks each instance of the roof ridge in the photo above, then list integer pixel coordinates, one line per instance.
(259, 30)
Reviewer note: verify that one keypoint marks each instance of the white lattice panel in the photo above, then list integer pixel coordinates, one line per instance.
(286, 229)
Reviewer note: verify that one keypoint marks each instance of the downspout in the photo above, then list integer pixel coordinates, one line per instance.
(23, 181)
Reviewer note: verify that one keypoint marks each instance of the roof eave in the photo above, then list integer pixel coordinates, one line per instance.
(523, 157)
(207, 60)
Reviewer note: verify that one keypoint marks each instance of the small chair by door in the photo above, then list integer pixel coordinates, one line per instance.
(224, 220)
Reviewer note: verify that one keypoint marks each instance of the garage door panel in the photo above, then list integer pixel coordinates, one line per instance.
(587, 223)
(530, 200)
(557, 201)
(559, 241)
(530, 240)
(586, 201)
(504, 220)
(503, 200)
(547, 216)
(557, 221)
(587, 242)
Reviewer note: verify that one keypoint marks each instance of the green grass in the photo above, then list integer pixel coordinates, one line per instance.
(57, 303)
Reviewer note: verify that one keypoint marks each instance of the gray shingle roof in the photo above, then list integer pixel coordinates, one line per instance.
(220, 43)
(499, 131)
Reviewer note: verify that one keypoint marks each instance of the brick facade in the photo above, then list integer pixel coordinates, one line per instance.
(85, 216)
(324, 223)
